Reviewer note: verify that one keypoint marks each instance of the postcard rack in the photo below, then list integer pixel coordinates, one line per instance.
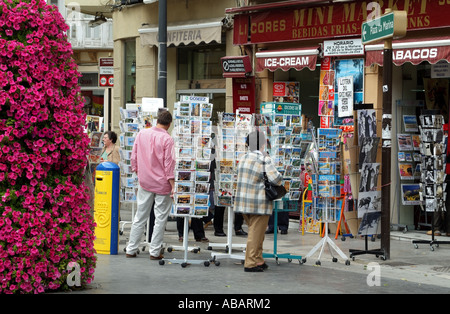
(433, 186)
(192, 135)
(231, 135)
(133, 118)
(322, 163)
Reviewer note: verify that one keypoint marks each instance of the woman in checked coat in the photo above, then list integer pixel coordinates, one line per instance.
(251, 198)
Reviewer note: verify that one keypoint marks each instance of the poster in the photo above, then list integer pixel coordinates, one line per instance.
(345, 96)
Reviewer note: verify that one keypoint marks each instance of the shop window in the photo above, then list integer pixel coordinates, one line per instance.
(309, 89)
(130, 71)
(200, 62)
(418, 84)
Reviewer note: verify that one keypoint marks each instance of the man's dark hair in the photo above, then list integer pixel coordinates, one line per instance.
(164, 117)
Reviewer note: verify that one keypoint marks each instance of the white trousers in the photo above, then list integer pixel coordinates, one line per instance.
(163, 204)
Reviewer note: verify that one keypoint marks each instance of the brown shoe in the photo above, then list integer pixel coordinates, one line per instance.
(155, 258)
(131, 255)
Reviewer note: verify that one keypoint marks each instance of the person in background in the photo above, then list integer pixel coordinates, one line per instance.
(251, 198)
(153, 160)
(110, 150)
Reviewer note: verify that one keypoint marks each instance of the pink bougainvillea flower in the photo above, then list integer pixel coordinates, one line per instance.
(45, 219)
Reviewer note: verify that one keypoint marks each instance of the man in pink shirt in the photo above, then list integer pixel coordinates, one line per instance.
(153, 160)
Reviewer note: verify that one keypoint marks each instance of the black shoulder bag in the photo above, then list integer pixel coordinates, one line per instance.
(273, 192)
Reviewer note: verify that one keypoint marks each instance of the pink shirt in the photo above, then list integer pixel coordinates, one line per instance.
(153, 159)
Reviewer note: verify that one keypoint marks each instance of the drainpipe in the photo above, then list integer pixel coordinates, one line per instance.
(162, 51)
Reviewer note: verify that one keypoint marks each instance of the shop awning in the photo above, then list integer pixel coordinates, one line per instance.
(431, 50)
(185, 33)
(287, 59)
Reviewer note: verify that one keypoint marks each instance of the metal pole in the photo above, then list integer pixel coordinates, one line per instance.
(162, 51)
(386, 154)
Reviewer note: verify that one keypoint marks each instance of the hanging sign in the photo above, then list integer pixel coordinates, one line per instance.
(345, 93)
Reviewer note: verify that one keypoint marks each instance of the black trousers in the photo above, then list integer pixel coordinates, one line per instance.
(196, 226)
(283, 221)
(219, 212)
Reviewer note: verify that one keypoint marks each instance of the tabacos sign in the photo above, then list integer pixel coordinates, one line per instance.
(413, 55)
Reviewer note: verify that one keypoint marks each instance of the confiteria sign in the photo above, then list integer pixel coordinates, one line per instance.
(332, 20)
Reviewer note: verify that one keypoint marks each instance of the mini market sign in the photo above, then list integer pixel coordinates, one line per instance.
(387, 26)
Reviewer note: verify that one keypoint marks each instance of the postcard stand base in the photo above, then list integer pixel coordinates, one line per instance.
(276, 255)
(331, 245)
(185, 261)
(229, 245)
(431, 242)
(377, 253)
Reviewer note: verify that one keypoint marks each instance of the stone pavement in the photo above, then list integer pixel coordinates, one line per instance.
(409, 269)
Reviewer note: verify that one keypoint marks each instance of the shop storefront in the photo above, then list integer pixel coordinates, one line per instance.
(197, 46)
(291, 42)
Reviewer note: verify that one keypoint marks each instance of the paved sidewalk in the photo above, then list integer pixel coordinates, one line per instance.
(409, 270)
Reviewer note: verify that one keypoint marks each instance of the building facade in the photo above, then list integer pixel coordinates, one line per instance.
(298, 41)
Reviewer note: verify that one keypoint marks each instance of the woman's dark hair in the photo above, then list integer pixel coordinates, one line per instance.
(164, 117)
(255, 140)
(112, 136)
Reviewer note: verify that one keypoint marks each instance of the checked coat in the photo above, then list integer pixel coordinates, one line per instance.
(250, 193)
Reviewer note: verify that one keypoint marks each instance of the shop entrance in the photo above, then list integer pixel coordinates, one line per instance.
(420, 90)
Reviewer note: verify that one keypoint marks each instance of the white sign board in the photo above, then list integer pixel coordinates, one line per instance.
(152, 104)
(345, 96)
(440, 70)
(348, 47)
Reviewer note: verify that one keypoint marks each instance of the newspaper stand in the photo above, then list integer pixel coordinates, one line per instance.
(283, 205)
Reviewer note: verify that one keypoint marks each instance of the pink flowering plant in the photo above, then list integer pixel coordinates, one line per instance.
(45, 218)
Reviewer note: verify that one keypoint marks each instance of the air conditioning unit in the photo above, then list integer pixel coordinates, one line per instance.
(98, 20)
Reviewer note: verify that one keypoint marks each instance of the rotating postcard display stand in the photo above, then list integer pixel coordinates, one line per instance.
(192, 134)
(230, 146)
(322, 162)
(134, 117)
(433, 175)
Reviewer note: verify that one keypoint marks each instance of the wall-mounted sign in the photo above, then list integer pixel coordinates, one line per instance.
(244, 95)
(347, 47)
(238, 66)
